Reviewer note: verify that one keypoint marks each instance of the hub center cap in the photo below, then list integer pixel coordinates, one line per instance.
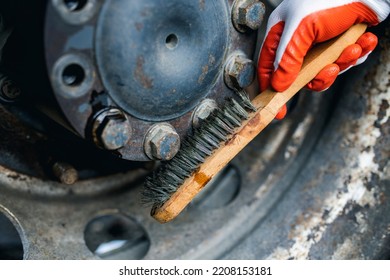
(151, 54)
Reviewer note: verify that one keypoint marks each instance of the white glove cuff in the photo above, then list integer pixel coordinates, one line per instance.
(380, 7)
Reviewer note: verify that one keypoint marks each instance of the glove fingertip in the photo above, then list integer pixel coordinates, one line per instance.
(368, 42)
(282, 113)
(349, 56)
(325, 78)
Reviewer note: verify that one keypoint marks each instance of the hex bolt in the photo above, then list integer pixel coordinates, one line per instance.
(9, 90)
(239, 72)
(161, 142)
(111, 130)
(65, 173)
(205, 108)
(248, 14)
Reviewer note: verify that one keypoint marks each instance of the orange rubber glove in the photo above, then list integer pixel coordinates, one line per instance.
(296, 25)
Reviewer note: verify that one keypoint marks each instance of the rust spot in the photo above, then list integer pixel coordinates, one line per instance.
(139, 26)
(254, 121)
(201, 179)
(205, 71)
(202, 4)
(382, 198)
(146, 12)
(140, 75)
(231, 140)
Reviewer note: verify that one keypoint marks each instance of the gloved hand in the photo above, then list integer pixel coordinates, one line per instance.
(296, 25)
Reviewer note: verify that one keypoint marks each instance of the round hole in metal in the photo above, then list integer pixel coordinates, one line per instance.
(75, 5)
(171, 41)
(116, 237)
(73, 75)
(11, 247)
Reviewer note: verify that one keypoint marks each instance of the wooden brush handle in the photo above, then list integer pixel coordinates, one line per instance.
(268, 104)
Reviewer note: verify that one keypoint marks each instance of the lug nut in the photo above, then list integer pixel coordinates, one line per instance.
(111, 130)
(9, 90)
(162, 142)
(203, 111)
(239, 72)
(248, 14)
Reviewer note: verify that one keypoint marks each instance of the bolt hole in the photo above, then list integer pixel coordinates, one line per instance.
(11, 247)
(75, 5)
(116, 237)
(171, 41)
(73, 75)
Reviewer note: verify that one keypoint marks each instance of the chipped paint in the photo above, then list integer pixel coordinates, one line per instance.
(140, 74)
(361, 168)
(344, 250)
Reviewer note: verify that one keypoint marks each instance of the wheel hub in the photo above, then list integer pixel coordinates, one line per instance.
(154, 61)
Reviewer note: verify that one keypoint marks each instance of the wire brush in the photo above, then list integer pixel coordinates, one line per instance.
(226, 132)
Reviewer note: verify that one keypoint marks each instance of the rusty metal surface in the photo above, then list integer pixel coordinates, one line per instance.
(248, 14)
(290, 201)
(31, 144)
(337, 208)
(52, 217)
(162, 142)
(239, 71)
(125, 67)
(314, 186)
(19, 145)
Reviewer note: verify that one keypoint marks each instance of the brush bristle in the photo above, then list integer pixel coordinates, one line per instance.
(214, 130)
